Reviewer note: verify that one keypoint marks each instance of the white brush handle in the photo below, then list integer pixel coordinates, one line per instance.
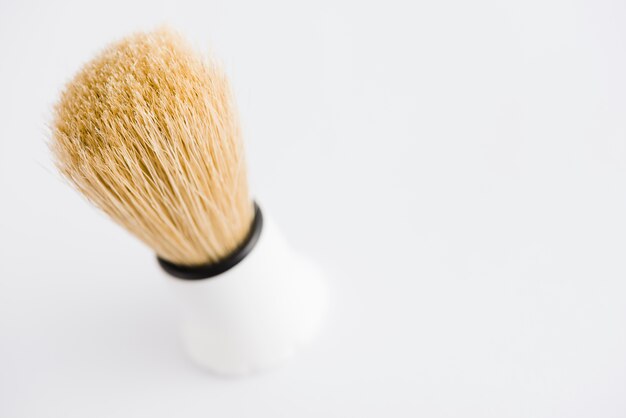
(256, 314)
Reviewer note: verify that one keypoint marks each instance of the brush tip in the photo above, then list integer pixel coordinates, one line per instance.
(149, 133)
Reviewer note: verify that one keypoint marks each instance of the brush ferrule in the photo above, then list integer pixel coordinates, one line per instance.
(206, 271)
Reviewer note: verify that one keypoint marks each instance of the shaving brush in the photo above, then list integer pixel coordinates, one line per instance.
(148, 132)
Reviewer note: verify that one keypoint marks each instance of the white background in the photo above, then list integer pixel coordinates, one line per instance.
(459, 169)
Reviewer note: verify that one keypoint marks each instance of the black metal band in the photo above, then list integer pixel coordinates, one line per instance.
(205, 271)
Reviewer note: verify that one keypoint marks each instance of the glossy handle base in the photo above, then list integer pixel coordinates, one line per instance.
(255, 315)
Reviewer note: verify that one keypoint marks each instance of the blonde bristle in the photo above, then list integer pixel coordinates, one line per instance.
(148, 132)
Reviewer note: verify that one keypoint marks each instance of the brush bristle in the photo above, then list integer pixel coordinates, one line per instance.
(148, 132)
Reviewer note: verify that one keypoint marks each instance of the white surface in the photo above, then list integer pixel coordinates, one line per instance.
(459, 167)
(258, 314)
